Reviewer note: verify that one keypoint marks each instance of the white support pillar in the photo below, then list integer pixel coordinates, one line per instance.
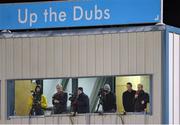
(174, 79)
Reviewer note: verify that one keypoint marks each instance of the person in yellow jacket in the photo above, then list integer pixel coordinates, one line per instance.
(37, 102)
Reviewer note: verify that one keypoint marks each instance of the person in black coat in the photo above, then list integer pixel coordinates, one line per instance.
(128, 98)
(59, 100)
(82, 101)
(108, 100)
(141, 99)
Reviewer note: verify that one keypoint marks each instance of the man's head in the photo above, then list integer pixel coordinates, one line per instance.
(107, 88)
(129, 86)
(59, 88)
(38, 89)
(80, 90)
(140, 87)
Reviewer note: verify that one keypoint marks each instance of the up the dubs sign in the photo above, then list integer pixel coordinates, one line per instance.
(51, 15)
(78, 13)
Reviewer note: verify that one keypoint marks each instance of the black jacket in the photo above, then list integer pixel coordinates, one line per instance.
(109, 102)
(139, 106)
(62, 105)
(83, 103)
(128, 100)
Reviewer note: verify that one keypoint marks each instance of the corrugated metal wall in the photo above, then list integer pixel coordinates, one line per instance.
(84, 55)
(174, 78)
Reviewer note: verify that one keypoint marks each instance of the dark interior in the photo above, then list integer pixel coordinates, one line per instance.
(172, 12)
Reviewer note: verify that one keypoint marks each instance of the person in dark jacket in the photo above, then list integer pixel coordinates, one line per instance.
(128, 98)
(141, 99)
(59, 100)
(108, 100)
(82, 101)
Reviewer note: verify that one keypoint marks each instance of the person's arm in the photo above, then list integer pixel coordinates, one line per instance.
(124, 101)
(146, 98)
(114, 102)
(64, 99)
(43, 102)
(53, 99)
(82, 102)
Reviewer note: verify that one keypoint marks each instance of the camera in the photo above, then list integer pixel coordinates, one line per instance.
(72, 97)
(102, 92)
(36, 98)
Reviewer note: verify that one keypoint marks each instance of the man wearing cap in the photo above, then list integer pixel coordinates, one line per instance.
(109, 100)
(82, 101)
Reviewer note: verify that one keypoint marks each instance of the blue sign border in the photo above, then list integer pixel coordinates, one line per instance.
(60, 14)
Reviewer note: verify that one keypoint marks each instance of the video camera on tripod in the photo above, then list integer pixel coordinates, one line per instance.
(36, 103)
(101, 95)
(36, 98)
(73, 99)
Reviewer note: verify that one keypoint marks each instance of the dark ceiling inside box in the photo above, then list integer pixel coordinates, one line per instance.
(172, 12)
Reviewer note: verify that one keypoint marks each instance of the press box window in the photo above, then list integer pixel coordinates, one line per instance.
(141, 104)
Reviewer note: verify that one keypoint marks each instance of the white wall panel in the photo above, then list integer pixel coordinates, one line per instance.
(9, 58)
(99, 54)
(41, 57)
(82, 55)
(124, 52)
(107, 54)
(26, 57)
(157, 48)
(171, 70)
(115, 55)
(140, 49)
(17, 57)
(34, 57)
(66, 56)
(2, 55)
(50, 57)
(176, 79)
(149, 49)
(58, 55)
(132, 54)
(91, 58)
(75, 56)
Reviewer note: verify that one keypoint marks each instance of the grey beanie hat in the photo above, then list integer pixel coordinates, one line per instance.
(107, 87)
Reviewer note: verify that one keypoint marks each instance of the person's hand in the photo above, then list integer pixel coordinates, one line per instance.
(136, 95)
(145, 110)
(142, 102)
(39, 102)
(56, 101)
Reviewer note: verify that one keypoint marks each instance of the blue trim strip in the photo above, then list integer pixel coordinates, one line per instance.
(172, 29)
(165, 85)
(10, 98)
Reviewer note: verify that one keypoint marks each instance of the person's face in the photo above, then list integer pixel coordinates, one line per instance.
(79, 92)
(37, 89)
(139, 87)
(129, 88)
(58, 89)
